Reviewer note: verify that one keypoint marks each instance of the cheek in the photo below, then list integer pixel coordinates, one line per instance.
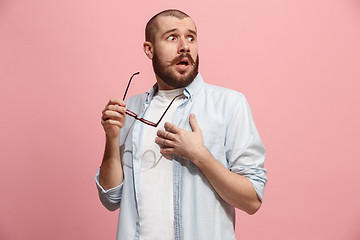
(194, 55)
(194, 52)
(165, 49)
(165, 54)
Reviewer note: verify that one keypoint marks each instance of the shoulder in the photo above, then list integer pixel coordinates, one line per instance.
(228, 103)
(223, 95)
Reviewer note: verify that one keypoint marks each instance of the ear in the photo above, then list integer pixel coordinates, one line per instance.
(148, 49)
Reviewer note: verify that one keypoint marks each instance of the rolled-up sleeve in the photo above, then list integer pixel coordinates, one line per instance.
(244, 148)
(109, 198)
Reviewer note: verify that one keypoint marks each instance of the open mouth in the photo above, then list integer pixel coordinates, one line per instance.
(183, 62)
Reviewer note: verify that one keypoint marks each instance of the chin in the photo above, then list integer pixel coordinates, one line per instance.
(173, 77)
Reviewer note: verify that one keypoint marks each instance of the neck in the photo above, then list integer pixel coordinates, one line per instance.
(162, 85)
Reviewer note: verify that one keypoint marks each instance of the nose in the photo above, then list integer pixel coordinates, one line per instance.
(183, 46)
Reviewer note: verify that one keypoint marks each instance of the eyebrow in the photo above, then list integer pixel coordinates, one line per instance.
(175, 29)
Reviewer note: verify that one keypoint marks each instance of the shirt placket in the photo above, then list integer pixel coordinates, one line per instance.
(136, 138)
(177, 176)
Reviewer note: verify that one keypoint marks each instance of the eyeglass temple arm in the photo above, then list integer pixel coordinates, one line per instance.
(129, 84)
(167, 109)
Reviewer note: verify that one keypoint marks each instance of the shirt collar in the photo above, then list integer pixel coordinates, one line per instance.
(190, 91)
(194, 87)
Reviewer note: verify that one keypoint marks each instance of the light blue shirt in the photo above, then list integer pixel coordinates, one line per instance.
(230, 135)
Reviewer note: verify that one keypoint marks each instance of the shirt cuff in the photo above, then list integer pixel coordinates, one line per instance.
(259, 186)
(257, 177)
(110, 198)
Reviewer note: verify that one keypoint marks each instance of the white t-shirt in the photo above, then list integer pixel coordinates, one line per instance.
(156, 179)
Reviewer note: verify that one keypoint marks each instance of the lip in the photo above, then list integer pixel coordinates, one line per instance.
(184, 59)
(183, 67)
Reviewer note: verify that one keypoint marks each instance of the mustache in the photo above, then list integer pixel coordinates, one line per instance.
(180, 57)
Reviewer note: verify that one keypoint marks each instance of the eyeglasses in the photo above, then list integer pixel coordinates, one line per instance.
(134, 115)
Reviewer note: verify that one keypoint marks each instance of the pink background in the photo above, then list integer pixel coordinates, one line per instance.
(298, 63)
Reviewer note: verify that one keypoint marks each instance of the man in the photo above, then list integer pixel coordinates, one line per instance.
(182, 178)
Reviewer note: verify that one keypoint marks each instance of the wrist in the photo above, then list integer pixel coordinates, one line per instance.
(201, 157)
(111, 138)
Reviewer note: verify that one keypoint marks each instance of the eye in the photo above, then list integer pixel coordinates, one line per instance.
(191, 39)
(171, 38)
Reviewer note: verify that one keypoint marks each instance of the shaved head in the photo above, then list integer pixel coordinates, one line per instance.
(171, 44)
(151, 26)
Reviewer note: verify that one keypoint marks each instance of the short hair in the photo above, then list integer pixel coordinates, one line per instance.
(151, 26)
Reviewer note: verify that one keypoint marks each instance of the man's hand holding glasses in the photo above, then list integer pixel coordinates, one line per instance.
(114, 115)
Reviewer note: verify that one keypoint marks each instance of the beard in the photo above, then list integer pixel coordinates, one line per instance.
(168, 75)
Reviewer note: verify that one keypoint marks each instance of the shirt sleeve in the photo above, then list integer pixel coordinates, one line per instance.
(109, 198)
(244, 149)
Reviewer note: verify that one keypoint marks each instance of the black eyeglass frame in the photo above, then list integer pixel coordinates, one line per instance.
(143, 120)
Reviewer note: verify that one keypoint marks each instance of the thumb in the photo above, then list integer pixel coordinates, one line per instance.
(193, 123)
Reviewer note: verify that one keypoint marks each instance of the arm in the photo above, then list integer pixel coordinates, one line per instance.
(233, 188)
(113, 119)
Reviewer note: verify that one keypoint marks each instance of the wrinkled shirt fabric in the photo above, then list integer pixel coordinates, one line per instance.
(230, 135)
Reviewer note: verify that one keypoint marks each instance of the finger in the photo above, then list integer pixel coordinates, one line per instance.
(166, 134)
(117, 101)
(165, 143)
(112, 115)
(193, 123)
(167, 151)
(110, 122)
(116, 108)
(161, 145)
(171, 128)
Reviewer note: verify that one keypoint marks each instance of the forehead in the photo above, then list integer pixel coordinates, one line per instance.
(168, 23)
